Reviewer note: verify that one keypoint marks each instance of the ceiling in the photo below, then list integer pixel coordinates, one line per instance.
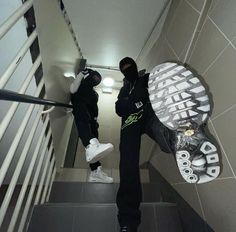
(108, 30)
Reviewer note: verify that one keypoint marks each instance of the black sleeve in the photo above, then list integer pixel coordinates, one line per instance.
(130, 103)
(123, 103)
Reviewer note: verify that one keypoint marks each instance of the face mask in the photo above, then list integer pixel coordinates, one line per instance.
(131, 73)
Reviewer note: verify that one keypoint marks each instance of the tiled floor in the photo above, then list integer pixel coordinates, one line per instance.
(158, 217)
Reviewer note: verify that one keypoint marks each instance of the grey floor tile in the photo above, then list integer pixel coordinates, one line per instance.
(197, 4)
(227, 135)
(219, 204)
(183, 25)
(99, 193)
(48, 219)
(224, 17)
(72, 175)
(188, 192)
(116, 175)
(94, 219)
(151, 193)
(66, 192)
(144, 176)
(209, 44)
(168, 219)
(224, 134)
(148, 222)
(221, 80)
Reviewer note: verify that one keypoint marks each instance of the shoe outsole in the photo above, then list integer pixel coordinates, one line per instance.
(180, 101)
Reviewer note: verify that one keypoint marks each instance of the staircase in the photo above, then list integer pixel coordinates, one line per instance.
(88, 207)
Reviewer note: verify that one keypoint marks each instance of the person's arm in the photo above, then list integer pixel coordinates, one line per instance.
(76, 83)
(123, 104)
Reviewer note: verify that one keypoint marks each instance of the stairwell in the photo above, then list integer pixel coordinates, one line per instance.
(88, 207)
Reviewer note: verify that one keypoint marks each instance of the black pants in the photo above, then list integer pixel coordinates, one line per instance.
(87, 127)
(129, 195)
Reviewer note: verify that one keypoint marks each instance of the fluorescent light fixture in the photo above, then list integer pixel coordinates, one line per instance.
(108, 82)
(69, 74)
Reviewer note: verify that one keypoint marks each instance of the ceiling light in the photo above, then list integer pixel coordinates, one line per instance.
(108, 82)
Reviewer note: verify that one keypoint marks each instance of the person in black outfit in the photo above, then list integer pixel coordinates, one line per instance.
(138, 117)
(85, 110)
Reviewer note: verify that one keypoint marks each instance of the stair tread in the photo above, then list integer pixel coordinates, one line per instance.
(84, 204)
(156, 217)
(84, 192)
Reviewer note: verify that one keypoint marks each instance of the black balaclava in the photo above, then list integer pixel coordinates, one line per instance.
(130, 73)
(93, 79)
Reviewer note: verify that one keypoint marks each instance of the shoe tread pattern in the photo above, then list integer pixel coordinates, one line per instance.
(177, 96)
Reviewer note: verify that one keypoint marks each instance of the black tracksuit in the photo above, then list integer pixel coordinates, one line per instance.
(138, 118)
(85, 111)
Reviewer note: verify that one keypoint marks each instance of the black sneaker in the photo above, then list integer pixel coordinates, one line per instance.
(181, 103)
(128, 229)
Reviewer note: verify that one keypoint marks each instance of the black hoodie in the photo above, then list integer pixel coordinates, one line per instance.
(132, 93)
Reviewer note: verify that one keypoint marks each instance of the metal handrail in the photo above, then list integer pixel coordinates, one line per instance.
(42, 152)
(10, 113)
(19, 166)
(6, 26)
(17, 59)
(28, 175)
(14, 96)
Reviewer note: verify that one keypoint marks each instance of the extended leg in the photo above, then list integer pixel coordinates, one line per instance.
(181, 103)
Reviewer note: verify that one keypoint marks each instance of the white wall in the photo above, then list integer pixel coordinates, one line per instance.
(59, 54)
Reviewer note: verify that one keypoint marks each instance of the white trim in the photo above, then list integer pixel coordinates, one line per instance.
(48, 111)
(27, 177)
(42, 179)
(17, 59)
(35, 180)
(51, 183)
(46, 186)
(8, 158)
(10, 113)
(6, 26)
(18, 168)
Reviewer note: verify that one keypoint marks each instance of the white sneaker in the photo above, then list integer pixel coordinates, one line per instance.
(95, 150)
(99, 176)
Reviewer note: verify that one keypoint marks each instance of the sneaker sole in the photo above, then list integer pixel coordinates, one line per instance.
(93, 180)
(101, 155)
(179, 100)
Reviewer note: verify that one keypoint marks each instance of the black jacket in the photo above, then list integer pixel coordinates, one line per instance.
(88, 96)
(132, 97)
